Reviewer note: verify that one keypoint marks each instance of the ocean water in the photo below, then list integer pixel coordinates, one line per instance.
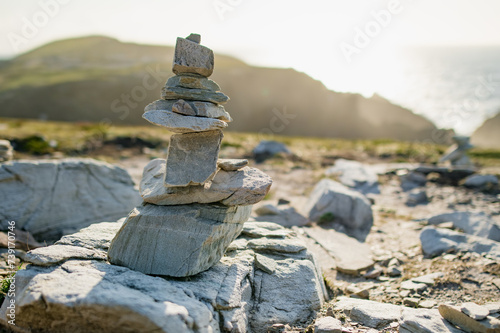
(454, 87)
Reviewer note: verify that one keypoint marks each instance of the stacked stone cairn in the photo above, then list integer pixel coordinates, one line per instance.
(457, 153)
(194, 203)
(6, 151)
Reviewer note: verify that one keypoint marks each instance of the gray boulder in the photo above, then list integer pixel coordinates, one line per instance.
(477, 224)
(436, 241)
(178, 240)
(267, 149)
(416, 197)
(53, 197)
(349, 208)
(480, 181)
(412, 180)
(236, 294)
(355, 175)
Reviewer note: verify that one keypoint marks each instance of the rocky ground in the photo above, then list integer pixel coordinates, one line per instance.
(393, 244)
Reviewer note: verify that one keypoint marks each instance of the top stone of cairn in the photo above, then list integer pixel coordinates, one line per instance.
(192, 58)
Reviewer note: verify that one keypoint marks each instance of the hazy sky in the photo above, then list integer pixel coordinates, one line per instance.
(337, 42)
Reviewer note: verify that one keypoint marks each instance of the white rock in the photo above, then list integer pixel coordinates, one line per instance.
(351, 256)
(475, 311)
(327, 325)
(478, 224)
(424, 321)
(48, 198)
(350, 208)
(6, 151)
(177, 123)
(412, 285)
(428, 279)
(243, 187)
(232, 164)
(435, 241)
(369, 313)
(355, 175)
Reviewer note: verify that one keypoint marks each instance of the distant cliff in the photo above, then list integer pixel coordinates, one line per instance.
(488, 135)
(101, 79)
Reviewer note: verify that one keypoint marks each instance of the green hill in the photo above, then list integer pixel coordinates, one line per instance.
(102, 79)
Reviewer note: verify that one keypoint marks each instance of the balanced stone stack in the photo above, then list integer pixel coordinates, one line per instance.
(194, 204)
(6, 151)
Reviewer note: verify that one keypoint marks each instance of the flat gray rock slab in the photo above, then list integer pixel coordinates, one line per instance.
(474, 310)
(480, 181)
(48, 256)
(350, 208)
(477, 224)
(369, 313)
(428, 279)
(178, 123)
(351, 256)
(327, 325)
(192, 158)
(424, 321)
(191, 57)
(192, 82)
(242, 187)
(175, 93)
(356, 175)
(50, 198)
(190, 108)
(176, 240)
(436, 241)
(94, 296)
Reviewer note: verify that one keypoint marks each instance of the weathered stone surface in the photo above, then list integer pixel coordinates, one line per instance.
(191, 57)
(424, 321)
(369, 313)
(460, 319)
(267, 149)
(416, 197)
(355, 175)
(474, 311)
(351, 256)
(52, 197)
(48, 256)
(192, 158)
(243, 187)
(480, 181)
(6, 151)
(215, 97)
(94, 296)
(232, 164)
(478, 224)
(435, 241)
(177, 123)
(277, 245)
(178, 240)
(194, 38)
(192, 82)
(190, 108)
(327, 325)
(349, 208)
(264, 263)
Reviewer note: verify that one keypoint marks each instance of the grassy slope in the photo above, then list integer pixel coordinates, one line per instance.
(80, 79)
(311, 152)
